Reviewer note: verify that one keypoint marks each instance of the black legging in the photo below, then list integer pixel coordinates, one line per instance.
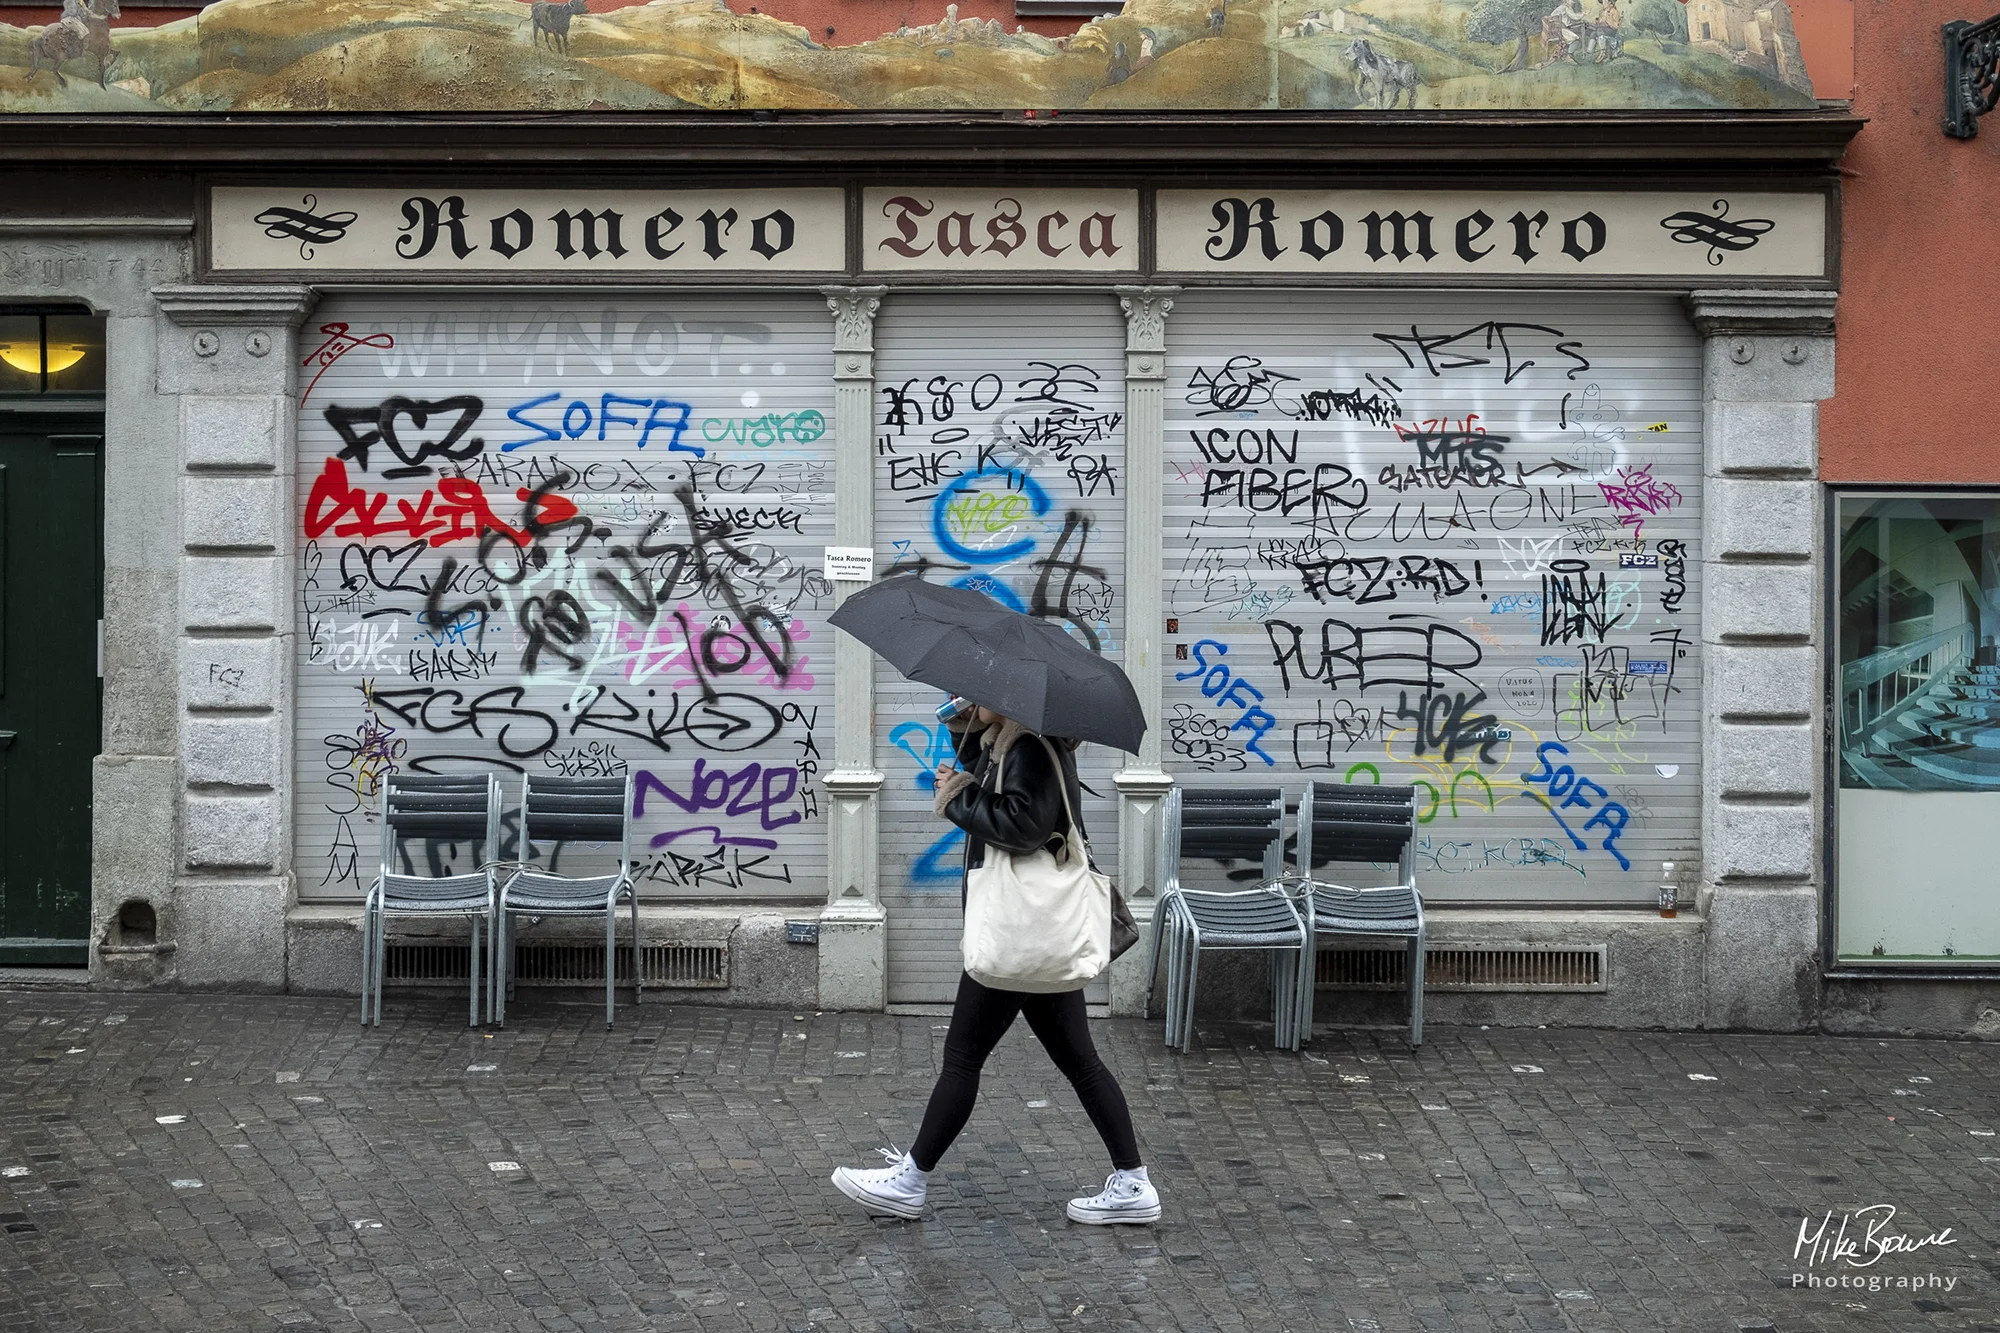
(978, 1020)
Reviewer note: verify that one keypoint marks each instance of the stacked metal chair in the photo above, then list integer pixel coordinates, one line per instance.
(1351, 824)
(567, 811)
(1232, 825)
(430, 808)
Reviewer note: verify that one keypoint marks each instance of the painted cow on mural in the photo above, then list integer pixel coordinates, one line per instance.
(552, 17)
(83, 30)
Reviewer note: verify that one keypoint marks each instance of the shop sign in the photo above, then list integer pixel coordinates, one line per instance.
(1000, 231)
(1484, 234)
(494, 232)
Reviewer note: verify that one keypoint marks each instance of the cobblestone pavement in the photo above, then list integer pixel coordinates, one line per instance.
(225, 1163)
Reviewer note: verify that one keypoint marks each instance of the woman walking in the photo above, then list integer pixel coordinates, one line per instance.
(1013, 791)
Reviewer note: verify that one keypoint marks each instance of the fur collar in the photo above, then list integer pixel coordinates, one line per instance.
(997, 741)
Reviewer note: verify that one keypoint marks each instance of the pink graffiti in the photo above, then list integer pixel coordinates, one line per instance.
(1639, 497)
(662, 655)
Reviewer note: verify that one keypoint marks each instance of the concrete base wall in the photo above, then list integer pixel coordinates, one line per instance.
(322, 950)
(1894, 1008)
(1653, 976)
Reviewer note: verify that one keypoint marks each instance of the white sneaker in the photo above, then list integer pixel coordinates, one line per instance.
(1127, 1197)
(896, 1190)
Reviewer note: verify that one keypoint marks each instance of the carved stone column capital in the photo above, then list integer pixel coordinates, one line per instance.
(1146, 310)
(854, 310)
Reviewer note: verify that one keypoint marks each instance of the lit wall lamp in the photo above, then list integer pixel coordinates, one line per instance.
(26, 357)
(1971, 74)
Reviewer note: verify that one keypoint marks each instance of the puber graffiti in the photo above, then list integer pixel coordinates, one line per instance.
(1477, 563)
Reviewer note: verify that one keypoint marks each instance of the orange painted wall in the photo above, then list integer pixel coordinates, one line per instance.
(1919, 333)
(1826, 40)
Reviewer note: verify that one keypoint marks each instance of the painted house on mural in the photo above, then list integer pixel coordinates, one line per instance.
(391, 427)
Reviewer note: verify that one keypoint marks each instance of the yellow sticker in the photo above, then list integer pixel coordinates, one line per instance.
(1658, 428)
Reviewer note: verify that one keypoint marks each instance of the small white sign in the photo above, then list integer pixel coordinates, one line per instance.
(850, 564)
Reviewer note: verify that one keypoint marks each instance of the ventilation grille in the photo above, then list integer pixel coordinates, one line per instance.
(671, 966)
(1467, 968)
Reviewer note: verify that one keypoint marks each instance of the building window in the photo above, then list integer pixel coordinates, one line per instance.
(1704, 32)
(1917, 692)
(50, 352)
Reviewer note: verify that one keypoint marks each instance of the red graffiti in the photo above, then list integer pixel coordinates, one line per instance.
(457, 510)
(339, 343)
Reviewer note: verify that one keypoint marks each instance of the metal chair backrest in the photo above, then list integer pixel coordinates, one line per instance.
(563, 809)
(439, 807)
(1223, 824)
(1352, 824)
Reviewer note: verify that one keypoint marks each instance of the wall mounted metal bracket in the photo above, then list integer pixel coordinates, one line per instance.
(1971, 74)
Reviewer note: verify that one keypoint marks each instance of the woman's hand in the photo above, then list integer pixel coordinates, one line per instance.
(944, 772)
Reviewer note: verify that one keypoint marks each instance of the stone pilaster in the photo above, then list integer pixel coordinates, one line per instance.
(1142, 783)
(229, 355)
(853, 929)
(1768, 363)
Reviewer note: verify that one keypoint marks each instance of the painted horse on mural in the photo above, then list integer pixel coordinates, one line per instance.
(1388, 77)
(83, 30)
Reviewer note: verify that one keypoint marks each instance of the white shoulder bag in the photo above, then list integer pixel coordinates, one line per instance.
(1032, 922)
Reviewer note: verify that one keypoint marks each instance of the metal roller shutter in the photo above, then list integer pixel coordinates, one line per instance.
(1413, 540)
(575, 534)
(1000, 457)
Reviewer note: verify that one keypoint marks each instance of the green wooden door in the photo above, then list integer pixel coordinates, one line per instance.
(51, 577)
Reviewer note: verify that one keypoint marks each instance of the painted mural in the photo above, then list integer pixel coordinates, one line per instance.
(700, 55)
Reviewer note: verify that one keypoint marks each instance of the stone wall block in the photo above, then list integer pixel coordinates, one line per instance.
(1764, 681)
(238, 751)
(1758, 601)
(1763, 437)
(1763, 958)
(233, 934)
(232, 673)
(1762, 841)
(1762, 518)
(233, 432)
(234, 831)
(232, 513)
(224, 359)
(1778, 760)
(1780, 368)
(234, 592)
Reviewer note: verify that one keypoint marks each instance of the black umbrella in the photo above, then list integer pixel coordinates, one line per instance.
(967, 643)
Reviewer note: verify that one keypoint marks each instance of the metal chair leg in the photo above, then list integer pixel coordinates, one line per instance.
(381, 947)
(1187, 999)
(610, 962)
(1416, 971)
(472, 966)
(1160, 912)
(503, 955)
(367, 965)
(638, 972)
(1282, 984)
(1308, 964)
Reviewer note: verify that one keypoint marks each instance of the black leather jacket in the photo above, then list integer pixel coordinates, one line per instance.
(1028, 812)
